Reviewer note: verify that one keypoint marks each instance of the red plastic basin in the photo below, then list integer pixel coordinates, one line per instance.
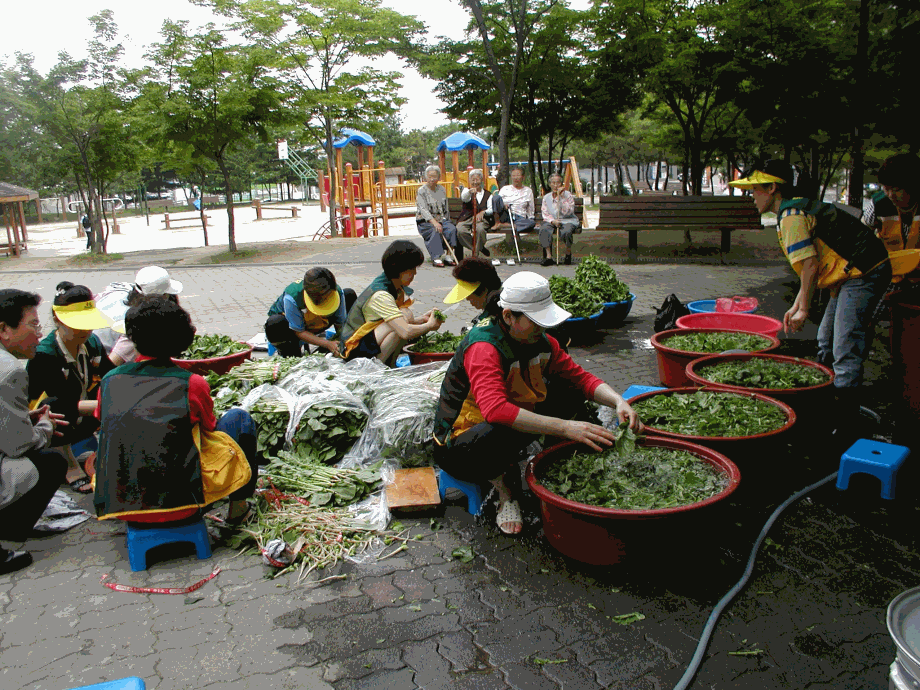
(672, 363)
(803, 401)
(601, 536)
(427, 357)
(752, 323)
(219, 365)
(737, 446)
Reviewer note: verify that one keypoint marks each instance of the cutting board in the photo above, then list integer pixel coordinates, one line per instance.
(413, 488)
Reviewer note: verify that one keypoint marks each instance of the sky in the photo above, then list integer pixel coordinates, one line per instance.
(65, 28)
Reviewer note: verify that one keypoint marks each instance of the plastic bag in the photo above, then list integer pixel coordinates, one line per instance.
(671, 310)
(736, 304)
(403, 403)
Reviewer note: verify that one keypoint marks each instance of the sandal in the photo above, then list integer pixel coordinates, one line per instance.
(83, 485)
(510, 512)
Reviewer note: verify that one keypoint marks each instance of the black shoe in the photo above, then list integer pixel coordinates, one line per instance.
(547, 262)
(568, 260)
(486, 252)
(15, 560)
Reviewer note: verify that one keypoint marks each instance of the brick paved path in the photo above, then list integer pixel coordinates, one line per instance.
(519, 615)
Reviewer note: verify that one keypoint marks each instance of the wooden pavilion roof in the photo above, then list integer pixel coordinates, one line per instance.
(10, 193)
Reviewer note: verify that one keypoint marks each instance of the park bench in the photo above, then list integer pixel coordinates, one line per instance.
(260, 209)
(191, 220)
(659, 212)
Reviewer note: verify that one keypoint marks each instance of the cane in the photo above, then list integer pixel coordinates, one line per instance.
(475, 222)
(514, 233)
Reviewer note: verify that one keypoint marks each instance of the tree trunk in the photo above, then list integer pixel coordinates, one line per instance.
(228, 193)
(201, 211)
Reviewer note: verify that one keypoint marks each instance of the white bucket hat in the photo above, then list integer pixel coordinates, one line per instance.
(153, 280)
(529, 293)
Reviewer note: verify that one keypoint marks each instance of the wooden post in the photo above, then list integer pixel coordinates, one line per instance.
(63, 209)
(22, 221)
(485, 170)
(442, 163)
(38, 209)
(9, 235)
(455, 179)
(350, 195)
(322, 184)
(469, 157)
(383, 199)
(258, 206)
(166, 220)
(371, 187)
(116, 228)
(361, 194)
(339, 197)
(16, 240)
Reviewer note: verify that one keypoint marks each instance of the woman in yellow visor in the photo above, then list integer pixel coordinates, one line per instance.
(67, 368)
(476, 278)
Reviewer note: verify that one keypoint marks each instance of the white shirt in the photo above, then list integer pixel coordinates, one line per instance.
(519, 201)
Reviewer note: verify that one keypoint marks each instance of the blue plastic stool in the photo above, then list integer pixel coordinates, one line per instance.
(881, 460)
(403, 361)
(140, 541)
(473, 491)
(86, 444)
(132, 683)
(633, 391)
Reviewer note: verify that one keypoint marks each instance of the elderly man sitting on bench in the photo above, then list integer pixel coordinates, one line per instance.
(513, 205)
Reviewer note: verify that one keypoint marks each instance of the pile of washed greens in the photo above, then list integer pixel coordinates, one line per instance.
(595, 283)
(712, 342)
(631, 477)
(436, 342)
(764, 373)
(709, 413)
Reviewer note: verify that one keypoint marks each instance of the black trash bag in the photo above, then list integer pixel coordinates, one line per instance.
(671, 310)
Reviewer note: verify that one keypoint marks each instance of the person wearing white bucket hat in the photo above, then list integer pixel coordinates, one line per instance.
(150, 281)
(494, 400)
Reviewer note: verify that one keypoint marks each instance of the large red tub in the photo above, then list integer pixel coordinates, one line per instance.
(804, 401)
(672, 363)
(427, 357)
(735, 321)
(600, 536)
(218, 365)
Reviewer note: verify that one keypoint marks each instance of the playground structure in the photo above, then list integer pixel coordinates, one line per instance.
(12, 197)
(367, 202)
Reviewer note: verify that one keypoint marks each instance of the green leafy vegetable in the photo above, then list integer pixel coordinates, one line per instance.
(709, 413)
(299, 474)
(439, 315)
(716, 342)
(434, 341)
(211, 346)
(594, 284)
(646, 478)
(764, 373)
(542, 662)
(464, 554)
(325, 431)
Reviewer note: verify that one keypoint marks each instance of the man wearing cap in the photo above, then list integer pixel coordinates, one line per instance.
(29, 475)
(494, 398)
(304, 311)
(827, 248)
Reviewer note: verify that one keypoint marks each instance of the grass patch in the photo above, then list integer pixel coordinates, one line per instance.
(239, 255)
(93, 259)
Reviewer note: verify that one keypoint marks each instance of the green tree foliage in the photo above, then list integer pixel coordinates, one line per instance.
(210, 97)
(322, 48)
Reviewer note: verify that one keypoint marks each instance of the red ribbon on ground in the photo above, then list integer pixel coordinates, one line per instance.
(160, 590)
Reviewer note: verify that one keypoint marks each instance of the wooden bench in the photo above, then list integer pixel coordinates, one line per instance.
(183, 219)
(654, 212)
(257, 205)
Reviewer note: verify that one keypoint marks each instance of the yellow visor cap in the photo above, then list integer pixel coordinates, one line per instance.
(461, 291)
(757, 177)
(904, 261)
(81, 316)
(324, 308)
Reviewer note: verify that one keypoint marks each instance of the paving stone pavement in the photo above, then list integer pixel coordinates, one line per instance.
(519, 615)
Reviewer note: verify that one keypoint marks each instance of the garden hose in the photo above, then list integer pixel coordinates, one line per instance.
(710, 626)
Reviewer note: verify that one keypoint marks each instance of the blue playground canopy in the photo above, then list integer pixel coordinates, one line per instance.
(459, 141)
(353, 136)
